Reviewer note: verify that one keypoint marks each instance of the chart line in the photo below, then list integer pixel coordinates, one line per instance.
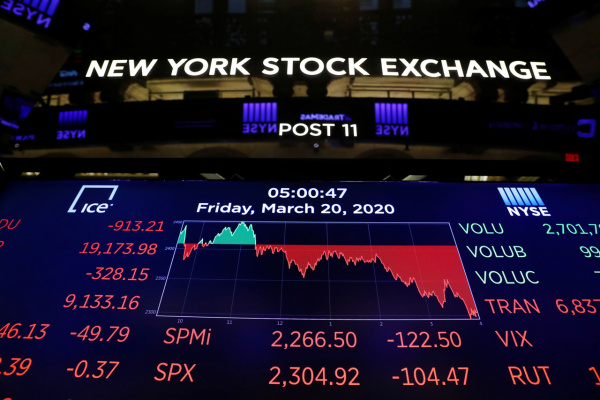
(422, 259)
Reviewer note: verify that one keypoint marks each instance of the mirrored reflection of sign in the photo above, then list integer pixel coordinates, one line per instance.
(39, 12)
(391, 119)
(71, 125)
(267, 118)
(259, 118)
(66, 79)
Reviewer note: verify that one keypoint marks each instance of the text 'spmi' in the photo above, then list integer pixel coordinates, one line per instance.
(260, 112)
(520, 197)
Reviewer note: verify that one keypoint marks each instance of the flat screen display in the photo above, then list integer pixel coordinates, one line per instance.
(270, 290)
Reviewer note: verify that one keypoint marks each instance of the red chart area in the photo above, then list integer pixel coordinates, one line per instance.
(431, 268)
(317, 271)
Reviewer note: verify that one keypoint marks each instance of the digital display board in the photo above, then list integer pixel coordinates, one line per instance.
(194, 289)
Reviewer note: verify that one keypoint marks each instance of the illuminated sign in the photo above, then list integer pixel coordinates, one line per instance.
(391, 119)
(66, 84)
(585, 128)
(67, 78)
(68, 74)
(523, 201)
(259, 118)
(71, 125)
(263, 118)
(38, 11)
(418, 68)
(312, 66)
(317, 129)
(22, 138)
(591, 123)
(571, 157)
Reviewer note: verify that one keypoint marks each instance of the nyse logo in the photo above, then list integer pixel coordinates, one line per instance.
(94, 192)
(523, 202)
(259, 118)
(391, 119)
(39, 12)
(71, 125)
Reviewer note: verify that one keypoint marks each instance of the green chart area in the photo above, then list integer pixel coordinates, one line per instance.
(242, 235)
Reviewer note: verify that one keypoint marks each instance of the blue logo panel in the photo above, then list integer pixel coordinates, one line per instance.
(47, 7)
(72, 119)
(521, 197)
(260, 112)
(391, 113)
